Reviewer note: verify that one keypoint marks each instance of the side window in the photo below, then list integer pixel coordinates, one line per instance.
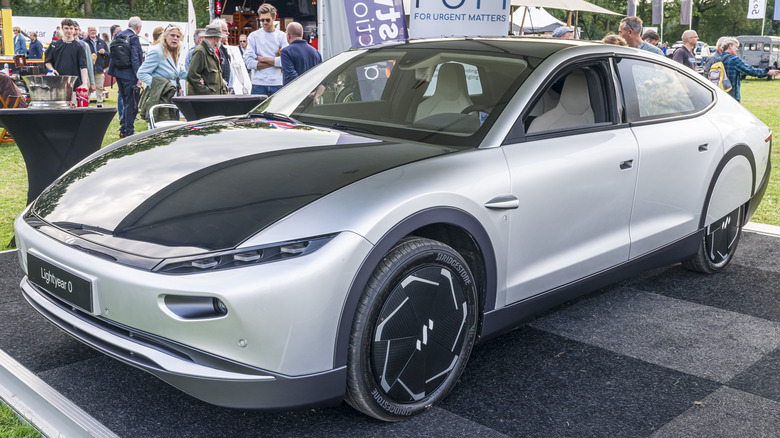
(653, 90)
(575, 99)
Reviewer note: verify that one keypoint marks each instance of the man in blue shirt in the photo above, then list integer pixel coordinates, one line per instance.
(298, 56)
(736, 67)
(631, 30)
(36, 48)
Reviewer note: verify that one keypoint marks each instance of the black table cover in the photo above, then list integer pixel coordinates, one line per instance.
(200, 107)
(54, 140)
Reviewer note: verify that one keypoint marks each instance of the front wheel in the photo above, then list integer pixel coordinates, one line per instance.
(719, 244)
(413, 331)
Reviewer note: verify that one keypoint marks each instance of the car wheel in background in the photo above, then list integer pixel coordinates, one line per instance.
(719, 244)
(413, 330)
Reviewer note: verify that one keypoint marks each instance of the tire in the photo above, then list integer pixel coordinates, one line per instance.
(413, 331)
(719, 244)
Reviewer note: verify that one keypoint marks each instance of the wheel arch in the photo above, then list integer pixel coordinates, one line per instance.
(451, 226)
(735, 169)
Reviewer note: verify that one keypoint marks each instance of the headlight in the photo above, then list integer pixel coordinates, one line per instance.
(243, 257)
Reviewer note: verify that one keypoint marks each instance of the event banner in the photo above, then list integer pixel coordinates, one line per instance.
(459, 18)
(686, 9)
(777, 10)
(757, 9)
(658, 10)
(373, 22)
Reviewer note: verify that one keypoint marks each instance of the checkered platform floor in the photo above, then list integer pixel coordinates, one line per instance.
(668, 353)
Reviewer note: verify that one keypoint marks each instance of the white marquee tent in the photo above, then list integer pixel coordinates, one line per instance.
(537, 20)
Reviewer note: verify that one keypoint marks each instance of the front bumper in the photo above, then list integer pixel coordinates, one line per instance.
(274, 349)
(225, 383)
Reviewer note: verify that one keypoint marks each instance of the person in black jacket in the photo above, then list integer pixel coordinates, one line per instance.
(99, 49)
(129, 85)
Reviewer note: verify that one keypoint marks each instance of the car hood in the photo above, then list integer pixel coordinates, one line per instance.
(210, 186)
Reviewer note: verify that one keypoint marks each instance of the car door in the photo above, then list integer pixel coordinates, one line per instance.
(573, 174)
(679, 148)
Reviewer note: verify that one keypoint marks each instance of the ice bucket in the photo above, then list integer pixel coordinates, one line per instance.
(47, 92)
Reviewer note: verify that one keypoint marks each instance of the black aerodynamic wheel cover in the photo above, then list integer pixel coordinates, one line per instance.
(419, 333)
(413, 330)
(721, 238)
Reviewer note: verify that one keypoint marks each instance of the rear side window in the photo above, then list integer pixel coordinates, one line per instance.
(654, 91)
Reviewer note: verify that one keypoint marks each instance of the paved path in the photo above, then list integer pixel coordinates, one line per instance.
(669, 353)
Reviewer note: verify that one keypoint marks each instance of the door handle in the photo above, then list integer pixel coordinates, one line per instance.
(503, 202)
(704, 147)
(625, 165)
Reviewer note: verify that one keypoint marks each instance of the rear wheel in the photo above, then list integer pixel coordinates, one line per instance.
(413, 331)
(719, 244)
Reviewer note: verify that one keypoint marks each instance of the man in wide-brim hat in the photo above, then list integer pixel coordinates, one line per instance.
(205, 73)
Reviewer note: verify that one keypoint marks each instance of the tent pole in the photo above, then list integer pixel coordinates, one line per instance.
(568, 20)
(512, 10)
(576, 20)
(522, 23)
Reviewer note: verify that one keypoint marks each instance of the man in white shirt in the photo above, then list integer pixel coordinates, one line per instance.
(262, 53)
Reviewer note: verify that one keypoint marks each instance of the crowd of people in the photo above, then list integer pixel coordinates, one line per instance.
(725, 52)
(263, 61)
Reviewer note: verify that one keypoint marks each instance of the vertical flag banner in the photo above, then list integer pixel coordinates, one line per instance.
(658, 10)
(777, 10)
(189, 31)
(631, 8)
(685, 12)
(375, 22)
(458, 18)
(757, 9)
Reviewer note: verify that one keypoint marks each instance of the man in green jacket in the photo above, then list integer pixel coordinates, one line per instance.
(205, 73)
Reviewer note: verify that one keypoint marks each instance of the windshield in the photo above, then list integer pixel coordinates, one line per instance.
(418, 93)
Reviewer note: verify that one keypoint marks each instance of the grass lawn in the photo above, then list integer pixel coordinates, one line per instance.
(758, 95)
(12, 427)
(762, 97)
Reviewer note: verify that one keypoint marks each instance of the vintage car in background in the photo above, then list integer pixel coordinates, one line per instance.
(356, 234)
(760, 51)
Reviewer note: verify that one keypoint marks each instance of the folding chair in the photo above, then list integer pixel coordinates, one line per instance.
(8, 102)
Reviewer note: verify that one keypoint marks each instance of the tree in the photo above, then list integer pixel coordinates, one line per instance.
(168, 10)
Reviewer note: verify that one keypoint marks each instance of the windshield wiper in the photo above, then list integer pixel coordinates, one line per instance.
(278, 116)
(341, 127)
(82, 228)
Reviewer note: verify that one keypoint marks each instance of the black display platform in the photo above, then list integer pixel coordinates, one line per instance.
(200, 107)
(54, 140)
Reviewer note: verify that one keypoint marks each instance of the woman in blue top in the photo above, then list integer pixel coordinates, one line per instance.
(162, 60)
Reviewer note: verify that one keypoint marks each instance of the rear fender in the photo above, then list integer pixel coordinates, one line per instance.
(732, 185)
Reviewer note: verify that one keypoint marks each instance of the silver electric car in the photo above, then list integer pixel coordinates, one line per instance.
(357, 233)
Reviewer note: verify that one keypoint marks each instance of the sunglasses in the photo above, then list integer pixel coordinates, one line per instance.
(265, 20)
(172, 26)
